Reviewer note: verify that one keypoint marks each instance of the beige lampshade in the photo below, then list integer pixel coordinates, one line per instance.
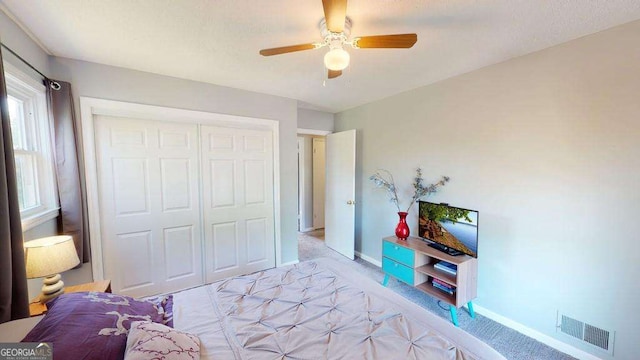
(50, 255)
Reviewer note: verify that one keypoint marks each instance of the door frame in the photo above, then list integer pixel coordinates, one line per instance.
(301, 177)
(314, 132)
(89, 107)
(302, 174)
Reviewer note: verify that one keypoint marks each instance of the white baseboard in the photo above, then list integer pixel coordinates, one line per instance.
(290, 263)
(368, 259)
(545, 339)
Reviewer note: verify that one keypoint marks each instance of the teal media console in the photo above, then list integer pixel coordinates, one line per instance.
(412, 261)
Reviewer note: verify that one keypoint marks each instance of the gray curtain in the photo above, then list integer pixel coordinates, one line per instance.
(14, 297)
(73, 218)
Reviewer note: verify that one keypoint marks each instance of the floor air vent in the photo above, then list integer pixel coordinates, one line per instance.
(601, 338)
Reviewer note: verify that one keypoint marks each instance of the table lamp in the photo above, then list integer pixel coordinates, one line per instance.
(47, 257)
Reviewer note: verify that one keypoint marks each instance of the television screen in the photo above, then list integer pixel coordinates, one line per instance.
(451, 229)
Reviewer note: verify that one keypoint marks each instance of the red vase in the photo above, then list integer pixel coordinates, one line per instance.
(402, 230)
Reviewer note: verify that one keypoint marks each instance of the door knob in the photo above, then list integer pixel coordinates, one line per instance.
(351, 202)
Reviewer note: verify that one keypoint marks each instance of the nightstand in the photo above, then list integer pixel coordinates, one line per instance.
(36, 308)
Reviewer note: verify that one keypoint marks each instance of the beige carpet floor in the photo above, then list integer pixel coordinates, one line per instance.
(512, 344)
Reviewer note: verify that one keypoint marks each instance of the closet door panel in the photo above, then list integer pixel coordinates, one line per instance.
(257, 240)
(221, 184)
(180, 245)
(149, 204)
(135, 253)
(175, 174)
(225, 246)
(238, 180)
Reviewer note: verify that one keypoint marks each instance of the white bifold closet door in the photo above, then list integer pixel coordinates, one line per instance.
(182, 204)
(149, 204)
(237, 199)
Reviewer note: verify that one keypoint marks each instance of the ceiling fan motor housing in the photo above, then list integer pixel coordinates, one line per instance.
(330, 37)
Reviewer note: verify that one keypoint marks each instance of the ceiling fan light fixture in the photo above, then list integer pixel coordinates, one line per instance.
(335, 29)
(336, 59)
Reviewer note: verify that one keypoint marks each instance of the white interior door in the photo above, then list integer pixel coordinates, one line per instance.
(340, 194)
(149, 204)
(237, 193)
(319, 178)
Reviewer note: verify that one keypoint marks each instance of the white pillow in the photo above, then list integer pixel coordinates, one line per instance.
(152, 340)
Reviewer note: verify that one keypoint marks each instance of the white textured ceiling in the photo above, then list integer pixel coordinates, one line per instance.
(218, 41)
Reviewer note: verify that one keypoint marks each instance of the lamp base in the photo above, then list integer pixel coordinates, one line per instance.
(52, 287)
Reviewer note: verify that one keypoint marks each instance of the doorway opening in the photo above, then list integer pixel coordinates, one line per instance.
(311, 183)
(311, 246)
(331, 187)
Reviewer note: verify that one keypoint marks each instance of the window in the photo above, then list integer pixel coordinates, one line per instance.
(31, 134)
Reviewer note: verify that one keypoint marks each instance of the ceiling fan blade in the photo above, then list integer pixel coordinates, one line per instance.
(335, 12)
(400, 41)
(286, 49)
(334, 74)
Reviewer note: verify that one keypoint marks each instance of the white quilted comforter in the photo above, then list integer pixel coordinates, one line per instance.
(316, 310)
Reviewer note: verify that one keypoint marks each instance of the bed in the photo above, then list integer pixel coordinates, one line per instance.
(318, 309)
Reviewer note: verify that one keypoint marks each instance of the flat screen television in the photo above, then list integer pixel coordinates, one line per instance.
(449, 229)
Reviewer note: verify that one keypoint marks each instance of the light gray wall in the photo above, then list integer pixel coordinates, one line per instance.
(72, 277)
(127, 85)
(17, 40)
(316, 120)
(546, 147)
(113, 83)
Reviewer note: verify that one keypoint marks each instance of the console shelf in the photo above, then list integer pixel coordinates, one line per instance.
(440, 295)
(412, 261)
(429, 270)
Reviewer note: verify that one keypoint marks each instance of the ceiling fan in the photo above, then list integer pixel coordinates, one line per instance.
(335, 29)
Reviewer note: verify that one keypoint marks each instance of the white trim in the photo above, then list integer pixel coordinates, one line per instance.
(275, 129)
(313, 132)
(92, 106)
(308, 229)
(203, 252)
(368, 259)
(91, 176)
(543, 338)
(301, 183)
(18, 74)
(296, 261)
(39, 219)
(26, 30)
(33, 94)
(161, 113)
